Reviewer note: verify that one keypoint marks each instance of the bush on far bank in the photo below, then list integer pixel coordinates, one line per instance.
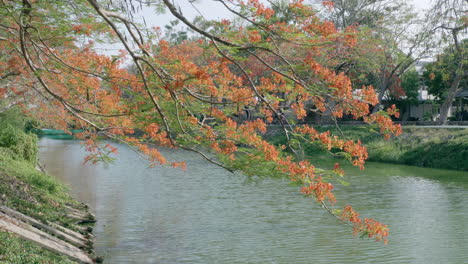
(443, 148)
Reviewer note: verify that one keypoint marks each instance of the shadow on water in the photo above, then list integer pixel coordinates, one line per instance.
(388, 169)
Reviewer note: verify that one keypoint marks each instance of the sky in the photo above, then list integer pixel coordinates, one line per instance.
(209, 9)
(421, 4)
(215, 10)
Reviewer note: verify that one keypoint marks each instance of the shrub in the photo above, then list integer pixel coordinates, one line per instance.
(21, 144)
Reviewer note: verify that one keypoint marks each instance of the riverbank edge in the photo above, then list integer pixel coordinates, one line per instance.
(439, 148)
(39, 221)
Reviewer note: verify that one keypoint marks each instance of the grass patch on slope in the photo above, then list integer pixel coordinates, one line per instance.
(29, 191)
(15, 250)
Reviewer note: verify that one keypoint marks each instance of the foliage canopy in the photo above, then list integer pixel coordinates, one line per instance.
(440, 73)
(214, 94)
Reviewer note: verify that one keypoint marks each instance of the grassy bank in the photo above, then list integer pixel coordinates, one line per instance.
(29, 191)
(443, 148)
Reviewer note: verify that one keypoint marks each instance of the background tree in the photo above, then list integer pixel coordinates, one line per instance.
(399, 39)
(440, 74)
(411, 83)
(404, 92)
(450, 19)
(173, 34)
(369, 13)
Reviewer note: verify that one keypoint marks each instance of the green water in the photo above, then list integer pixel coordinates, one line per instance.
(207, 215)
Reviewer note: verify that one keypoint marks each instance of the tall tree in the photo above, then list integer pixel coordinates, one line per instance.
(450, 19)
(185, 95)
(370, 13)
(440, 75)
(400, 38)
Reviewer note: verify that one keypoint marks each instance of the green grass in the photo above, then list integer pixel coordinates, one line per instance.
(443, 148)
(38, 195)
(424, 147)
(25, 189)
(32, 192)
(14, 250)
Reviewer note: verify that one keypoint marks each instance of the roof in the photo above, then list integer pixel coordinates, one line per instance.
(462, 93)
(420, 65)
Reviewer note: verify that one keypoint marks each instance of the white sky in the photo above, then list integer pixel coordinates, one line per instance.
(421, 4)
(215, 10)
(210, 9)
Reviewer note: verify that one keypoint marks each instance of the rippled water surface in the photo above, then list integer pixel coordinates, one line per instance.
(208, 215)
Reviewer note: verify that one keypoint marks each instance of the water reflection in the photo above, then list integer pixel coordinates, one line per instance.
(65, 161)
(206, 215)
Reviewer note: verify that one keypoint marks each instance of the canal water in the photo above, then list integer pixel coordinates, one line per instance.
(208, 215)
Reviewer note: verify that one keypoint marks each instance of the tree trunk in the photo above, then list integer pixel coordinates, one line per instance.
(447, 104)
(383, 88)
(5, 108)
(326, 118)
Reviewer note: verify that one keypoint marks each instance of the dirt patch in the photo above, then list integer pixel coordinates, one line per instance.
(16, 188)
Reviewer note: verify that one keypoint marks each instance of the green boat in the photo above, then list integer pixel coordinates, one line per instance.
(46, 131)
(58, 134)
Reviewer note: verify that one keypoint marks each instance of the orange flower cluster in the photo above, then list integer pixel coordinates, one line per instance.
(97, 152)
(83, 29)
(155, 157)
(368, 95)
(254, 36)
(328, 4)
(228, 147)
(366, 226)
(299, 110)
(153, 131)
(297, 171)
(320, 190)
(260, 9)
(393, 111)
(357, 152)
(179, 164)
(337, 169)
(383, 120)
(249, 127)
(350, 215)
(350, 37)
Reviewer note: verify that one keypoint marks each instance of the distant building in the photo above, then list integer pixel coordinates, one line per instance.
(427, 109)
(461, 105)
